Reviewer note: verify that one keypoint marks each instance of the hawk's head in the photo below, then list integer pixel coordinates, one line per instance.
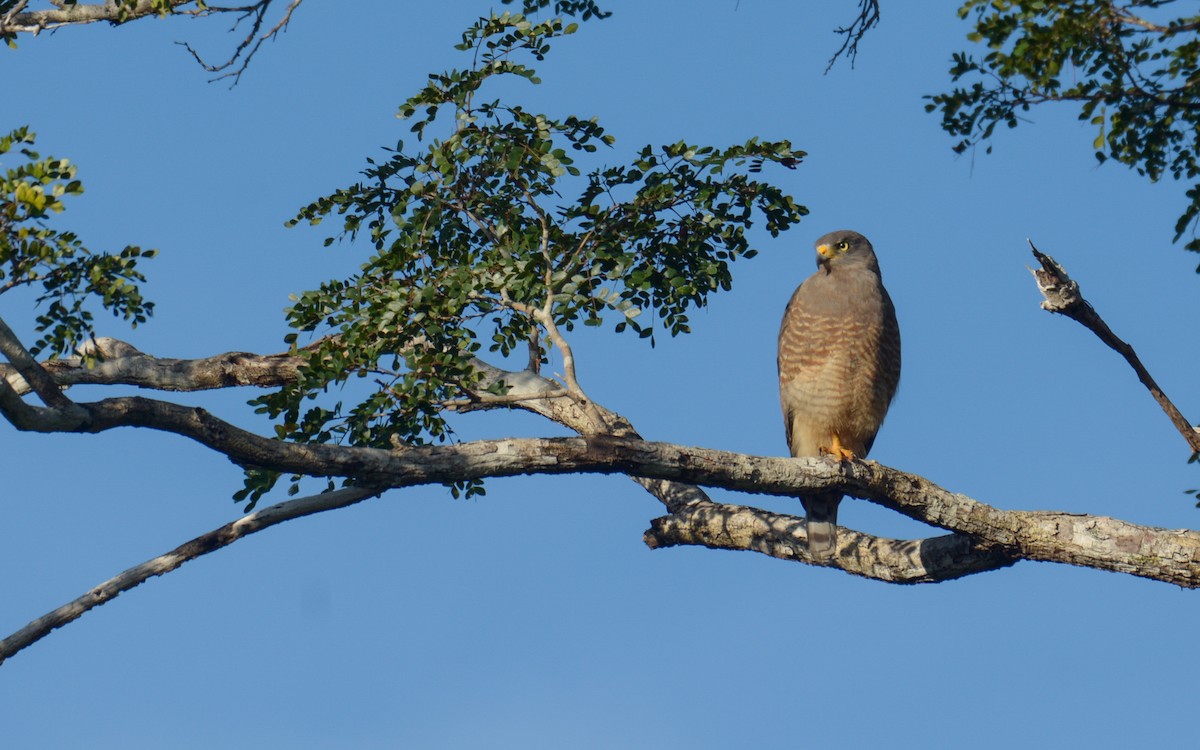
(845, 248)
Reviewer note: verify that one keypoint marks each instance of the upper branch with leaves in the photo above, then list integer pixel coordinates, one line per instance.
(1132, 70)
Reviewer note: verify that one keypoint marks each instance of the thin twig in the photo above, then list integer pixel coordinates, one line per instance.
(868, 18)
(1063, 297)
(250, 44)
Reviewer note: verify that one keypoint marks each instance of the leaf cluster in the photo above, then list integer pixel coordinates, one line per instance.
(585, 10)
(477, 245)
(1131, 69)
(69, 274)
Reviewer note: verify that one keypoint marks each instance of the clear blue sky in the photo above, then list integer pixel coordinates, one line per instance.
(535, 617)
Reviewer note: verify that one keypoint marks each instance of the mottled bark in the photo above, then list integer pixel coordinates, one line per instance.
(19, 20)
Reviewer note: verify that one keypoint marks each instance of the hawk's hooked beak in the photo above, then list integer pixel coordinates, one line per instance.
(824, 255)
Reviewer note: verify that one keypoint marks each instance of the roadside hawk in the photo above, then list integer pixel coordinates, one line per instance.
(839, 365)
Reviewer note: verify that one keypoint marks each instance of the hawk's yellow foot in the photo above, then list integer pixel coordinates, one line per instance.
(839, 451)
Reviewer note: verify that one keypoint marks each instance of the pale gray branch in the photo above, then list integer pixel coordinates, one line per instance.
(201, 545)
(119, 363)
(35, 21)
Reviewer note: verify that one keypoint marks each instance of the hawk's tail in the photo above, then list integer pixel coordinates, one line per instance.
(821, 525)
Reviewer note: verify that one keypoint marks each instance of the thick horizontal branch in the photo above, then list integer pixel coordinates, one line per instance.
(1091, 541)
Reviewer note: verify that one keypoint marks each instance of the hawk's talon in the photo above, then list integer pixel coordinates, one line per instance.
(840, 453)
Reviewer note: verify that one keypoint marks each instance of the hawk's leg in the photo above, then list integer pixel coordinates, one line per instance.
(838, 451)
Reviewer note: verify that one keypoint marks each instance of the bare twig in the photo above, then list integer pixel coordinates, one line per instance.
(1062, 296)
(1123, 15)
(250, 43)
(867, 19)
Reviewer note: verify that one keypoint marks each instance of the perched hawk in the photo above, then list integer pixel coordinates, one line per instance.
(839, 365)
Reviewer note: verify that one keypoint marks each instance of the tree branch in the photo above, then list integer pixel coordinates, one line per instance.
(120, 363)
(987, 538)
(36, 21)
(1063, 297)
(250, 44)
(1089, 541)
(59, 415)
(996, 538)
(37, 378)
(739, 527)
(201, 545)
(17, 20)
(671, 481)
(867, 19)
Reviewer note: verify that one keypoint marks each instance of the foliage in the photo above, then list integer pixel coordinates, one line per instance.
(474, 245)
(1131, 69)
(31, 253)
(584, 9)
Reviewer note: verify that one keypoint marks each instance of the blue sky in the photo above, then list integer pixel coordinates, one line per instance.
(535, 617)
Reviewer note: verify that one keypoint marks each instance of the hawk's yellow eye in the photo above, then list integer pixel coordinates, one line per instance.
(843, 246)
